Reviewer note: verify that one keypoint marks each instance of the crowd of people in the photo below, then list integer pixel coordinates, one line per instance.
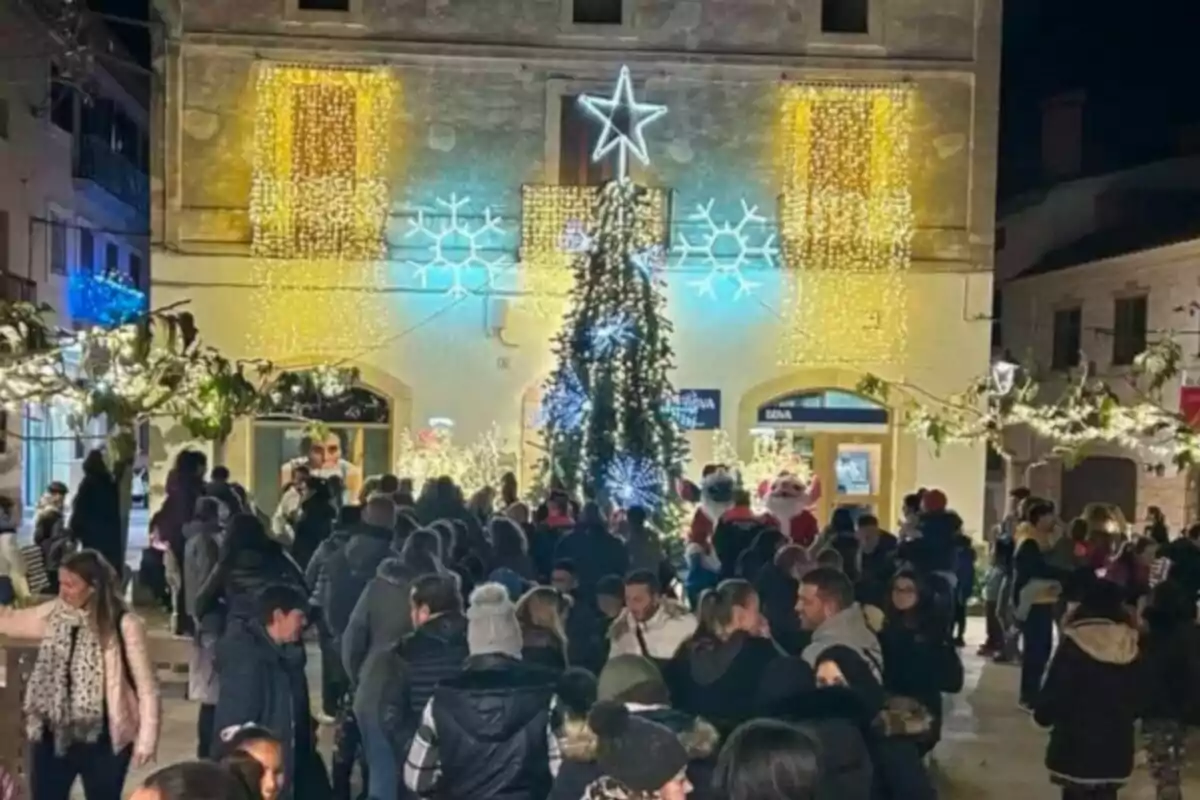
(480, 647)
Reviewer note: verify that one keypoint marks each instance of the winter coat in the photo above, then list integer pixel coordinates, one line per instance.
(544, 543)
(587, 635)
(263, 683)
(347, 572)
(380, 620)
(777, 593)
(1090, 698)
(131, 699)
(491, 723)
(1184, 557)
(921, 668)
(934, 549)
(1171, 679)
(201, 553)
(736, 531)
(314, 571)
(178, 508)
(543, 648)
(703, 572)
(668, 628)
(314, 526)
(723, 681)
(96, 519)
(433, 653)
(579, 744)
(847, 628)
(232, 589)
(834, 716)
(876, 568)
(596, 554)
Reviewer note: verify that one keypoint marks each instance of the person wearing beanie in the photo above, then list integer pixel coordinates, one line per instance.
(635, 682)
(487, 732)
(639, 759)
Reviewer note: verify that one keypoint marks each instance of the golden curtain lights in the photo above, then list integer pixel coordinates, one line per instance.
(319, 208)
(557, 221)
(846, 223)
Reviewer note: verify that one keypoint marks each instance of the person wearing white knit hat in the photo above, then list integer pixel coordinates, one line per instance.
(487, 733)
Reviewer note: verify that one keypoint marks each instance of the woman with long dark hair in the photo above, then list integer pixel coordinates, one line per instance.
(317, 517)
(91, 702)
(249, 562)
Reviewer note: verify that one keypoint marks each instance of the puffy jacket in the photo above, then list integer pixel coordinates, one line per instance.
(492, 723)
(723, 681)
(380, 620)
(348, 571)
(241, 576)
(202, 545)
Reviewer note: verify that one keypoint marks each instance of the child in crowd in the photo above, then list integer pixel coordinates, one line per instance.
(254, 754)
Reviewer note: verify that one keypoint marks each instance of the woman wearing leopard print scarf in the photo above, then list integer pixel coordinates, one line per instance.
(91, 702)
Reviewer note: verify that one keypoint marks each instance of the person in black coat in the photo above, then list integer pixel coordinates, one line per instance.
(877, 561)
(96, 512)
(759, 554)
(250, 561)
(594, 551)
(778, 584)
(1091, 697)
(1171, 653)
(510, 550)
(920, 661)
(735, 533)
(718, 674)
(842, 538)
(1183, 557)
(767, 759)
(541, 612)
(317, 517)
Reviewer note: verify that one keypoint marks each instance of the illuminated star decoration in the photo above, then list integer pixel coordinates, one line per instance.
(566, 404)
(725, 250)
(639, 115)
(633, 482)
(685, 410)
(457, 244)
(611, 334)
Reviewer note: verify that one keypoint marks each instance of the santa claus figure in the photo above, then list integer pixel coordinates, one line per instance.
(788, 501)
(714, 496)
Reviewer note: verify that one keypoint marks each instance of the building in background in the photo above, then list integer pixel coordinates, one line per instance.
(399, 186)
(74, 203)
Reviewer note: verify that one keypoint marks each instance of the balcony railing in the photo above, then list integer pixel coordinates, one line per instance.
(17, 289)
(110, 171)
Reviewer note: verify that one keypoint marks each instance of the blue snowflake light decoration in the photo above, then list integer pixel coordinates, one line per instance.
(634, 482)
(611, 334)
(456, 244)
(726, 251)
(566, 404)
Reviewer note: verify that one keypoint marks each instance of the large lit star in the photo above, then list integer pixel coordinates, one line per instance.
(606, 110)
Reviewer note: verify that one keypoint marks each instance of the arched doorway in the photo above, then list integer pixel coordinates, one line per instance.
(349, 436)
(844, 439)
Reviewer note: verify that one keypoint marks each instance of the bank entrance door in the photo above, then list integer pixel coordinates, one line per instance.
(845, 441)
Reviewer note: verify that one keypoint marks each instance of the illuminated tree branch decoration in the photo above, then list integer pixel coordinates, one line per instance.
(1086, 410)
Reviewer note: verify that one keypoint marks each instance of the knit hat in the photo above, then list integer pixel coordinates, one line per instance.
(492, 625)
(632, 679)
(510, 580)
(641, 754)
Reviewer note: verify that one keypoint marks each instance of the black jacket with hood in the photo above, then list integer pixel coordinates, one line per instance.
(233, 587)
(578, 744)
(837, 719)
(1090, 698)
(348, 571)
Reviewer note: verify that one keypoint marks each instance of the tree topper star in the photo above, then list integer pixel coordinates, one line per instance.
(612, 137)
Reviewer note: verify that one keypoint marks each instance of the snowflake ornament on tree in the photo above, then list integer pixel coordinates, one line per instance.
(457, 244)
(634, 482)
(566, 404)
(611, 334)
(726, 251)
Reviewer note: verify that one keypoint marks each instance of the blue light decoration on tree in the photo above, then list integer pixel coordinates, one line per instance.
(102, 300)
(634, 482)
(615, 341)
(566, 404)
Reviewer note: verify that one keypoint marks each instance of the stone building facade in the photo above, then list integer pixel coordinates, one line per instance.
(474, 102)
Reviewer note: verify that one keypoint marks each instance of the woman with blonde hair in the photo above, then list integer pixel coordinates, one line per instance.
(91, 703)
(542, 613)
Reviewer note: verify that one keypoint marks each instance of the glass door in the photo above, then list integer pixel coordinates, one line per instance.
(861, 475)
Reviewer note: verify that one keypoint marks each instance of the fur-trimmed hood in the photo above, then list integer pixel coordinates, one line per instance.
(1104, 640)
(701, 740)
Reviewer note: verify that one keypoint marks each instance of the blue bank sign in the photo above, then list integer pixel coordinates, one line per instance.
(699, 409)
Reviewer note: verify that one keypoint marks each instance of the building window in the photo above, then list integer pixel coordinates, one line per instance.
(62, 102)
(323, 5)
(3, 118)
(596, 12)
(87, 250)
(112, 260)
(1129, 329)
(845, 16)
(577, 138)
(58, 245)
(1068, 338)
(135, 270)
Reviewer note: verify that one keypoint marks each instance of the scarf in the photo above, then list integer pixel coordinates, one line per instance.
(607, 788)
(65, 693)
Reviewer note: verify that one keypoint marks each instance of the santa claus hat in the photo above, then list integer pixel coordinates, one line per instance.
(934, 501)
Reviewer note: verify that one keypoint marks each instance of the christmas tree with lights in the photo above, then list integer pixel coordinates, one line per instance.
(608, 411)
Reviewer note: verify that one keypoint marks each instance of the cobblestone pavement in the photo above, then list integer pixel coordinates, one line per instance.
(990, 750)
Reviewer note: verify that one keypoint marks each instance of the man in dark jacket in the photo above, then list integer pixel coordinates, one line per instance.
(736, 531)
(231, 495)
(548, 533)
(595, 552)
(260, 664)
(351, 568)
(1183, 557)
(434, 652)
(486, 733)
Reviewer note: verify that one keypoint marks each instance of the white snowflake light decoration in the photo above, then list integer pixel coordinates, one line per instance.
(726, 250)
(612, 333)
(633, 482)
(457, 244)
(649, 261)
